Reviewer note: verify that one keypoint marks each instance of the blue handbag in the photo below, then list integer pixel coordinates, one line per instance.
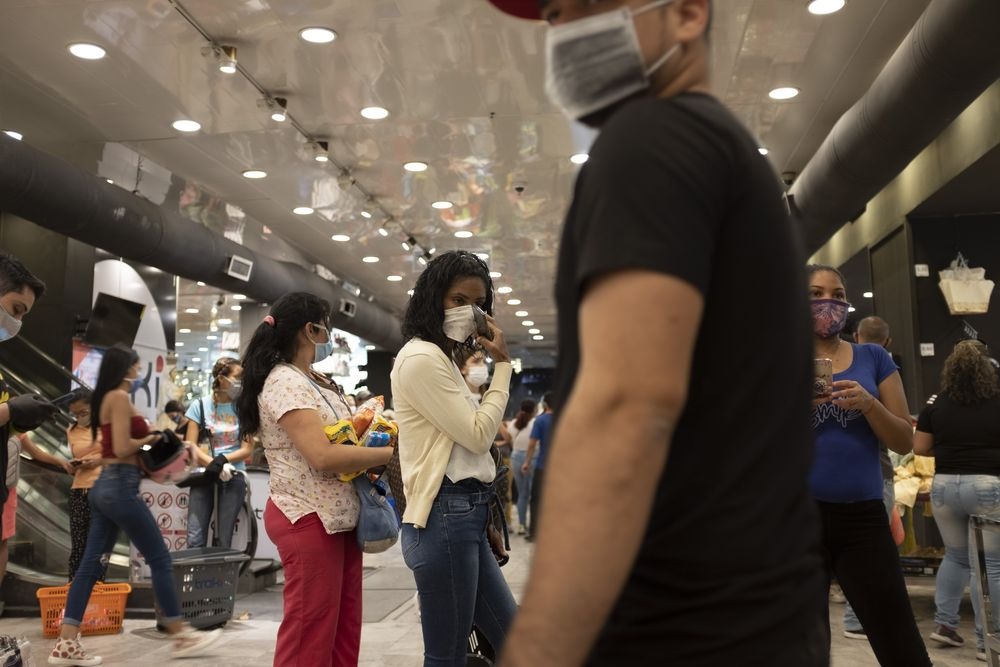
(378, 527)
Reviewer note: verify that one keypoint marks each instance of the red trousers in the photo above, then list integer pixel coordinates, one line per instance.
(321, 626)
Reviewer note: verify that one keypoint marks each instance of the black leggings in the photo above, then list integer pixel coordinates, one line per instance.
(858, 550)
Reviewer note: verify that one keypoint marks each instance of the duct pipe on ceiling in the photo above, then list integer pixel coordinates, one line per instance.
(947, 60)
(56, 195)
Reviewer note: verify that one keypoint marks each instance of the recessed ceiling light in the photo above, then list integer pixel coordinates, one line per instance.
(442, 205)
(184, 331)
(371, 259)
(203, 349)
(851, 309)
(240, 297)
(186, 125)
(415, 166)
(521, 313)
(422, 260)
(868, 295)
(225, 320)
(783, 93)
(410, 292)
(763, 151)
(369, 347)
(236, 308)
(483, 255)
(382, 231)
(538, 337)
(821, 7)
(109, 181)
(195, 359)
(579, 158)
(200, 283)
(191, 311)
(178, 344)
(87, 51)
(340, 238)
(212, 337)
(366, 214)
(527, 323)
(303, 210)
(14, 134)
(463, 234)
(534, 331)
(505, 290)
(375, 113)
(496, 274)
(318, 35)
(513, 302)
(254, 173)
(394, 278)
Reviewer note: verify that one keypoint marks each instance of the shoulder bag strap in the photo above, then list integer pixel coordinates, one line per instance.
(203, 428)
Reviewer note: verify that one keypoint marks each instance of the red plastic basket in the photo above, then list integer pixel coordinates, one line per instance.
(105, 611)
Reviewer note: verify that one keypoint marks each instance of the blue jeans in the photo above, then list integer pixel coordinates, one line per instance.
(523, 482)
(954, 498)
(232, 494)
(458, 580)
(851, 622)
(115, 503)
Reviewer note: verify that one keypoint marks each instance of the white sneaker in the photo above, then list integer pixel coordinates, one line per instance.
(981, 655)
(70, 653)
(191, 643)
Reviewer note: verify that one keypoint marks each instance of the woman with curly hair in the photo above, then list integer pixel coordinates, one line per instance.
(960, 428)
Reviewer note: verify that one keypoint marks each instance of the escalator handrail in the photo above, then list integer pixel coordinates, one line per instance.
(65, 372)
(32, 388)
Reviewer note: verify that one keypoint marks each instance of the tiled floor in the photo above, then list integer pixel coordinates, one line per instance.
(391, 632)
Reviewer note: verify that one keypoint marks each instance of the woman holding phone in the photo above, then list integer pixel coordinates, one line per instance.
(449, 476)
(864, 406)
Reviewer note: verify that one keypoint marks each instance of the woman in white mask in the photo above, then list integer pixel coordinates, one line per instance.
(449, 476)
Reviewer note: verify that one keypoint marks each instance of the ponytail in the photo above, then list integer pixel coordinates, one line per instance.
(274, 342)
(528, 407)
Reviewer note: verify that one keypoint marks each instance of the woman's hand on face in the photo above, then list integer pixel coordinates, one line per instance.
(850, 395)
(497, 348)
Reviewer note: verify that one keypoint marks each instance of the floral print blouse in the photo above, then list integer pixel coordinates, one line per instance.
(297, 489)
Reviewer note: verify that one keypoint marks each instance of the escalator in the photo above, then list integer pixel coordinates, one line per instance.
(39, 551)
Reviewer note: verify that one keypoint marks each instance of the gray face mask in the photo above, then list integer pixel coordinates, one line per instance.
(596, 62)
(10, 326)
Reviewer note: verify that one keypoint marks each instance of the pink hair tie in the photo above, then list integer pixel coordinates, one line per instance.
(269, 320)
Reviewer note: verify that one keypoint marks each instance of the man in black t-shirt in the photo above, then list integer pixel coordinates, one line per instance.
(680, 530)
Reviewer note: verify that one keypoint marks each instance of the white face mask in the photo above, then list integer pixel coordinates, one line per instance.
(597, 61)
(477, 376)
(10, 326)
(459, 323)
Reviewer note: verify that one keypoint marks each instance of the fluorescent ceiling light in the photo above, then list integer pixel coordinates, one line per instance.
(87, 51)
(513, 302)
(505, 290)
(317, 35)
(340, 238)
(538, 337)
(527, 323)
(236, 308)
(783, 93)
(186, 125)
(868, 295)
(415, 166)
(191, 311)
(534, 331)
(254, 173)
(521, 313)
(496, 274)
(382, 231)
(183, 331)
(822, 7)
(394, 278)
(463, 234)
(303, 210)
(442, 205)
(370, 259)
(375, 113)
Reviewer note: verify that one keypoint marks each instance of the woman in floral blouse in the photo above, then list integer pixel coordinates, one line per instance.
(310, 515)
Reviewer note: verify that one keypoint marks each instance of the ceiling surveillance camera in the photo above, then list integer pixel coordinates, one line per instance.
(519, 187)
(788, 177)
(221, 301)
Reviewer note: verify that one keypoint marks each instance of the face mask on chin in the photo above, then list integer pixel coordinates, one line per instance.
(595, 64)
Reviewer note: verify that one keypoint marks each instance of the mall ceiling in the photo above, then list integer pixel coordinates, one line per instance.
(463, 88)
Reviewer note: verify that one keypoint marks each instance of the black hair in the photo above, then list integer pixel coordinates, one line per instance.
(174, 406)
(812, 269)
(549, 400)
(528, 407)
(80, 394)
(114, 366)
(14, 277)
(424, 317)
(273, 344)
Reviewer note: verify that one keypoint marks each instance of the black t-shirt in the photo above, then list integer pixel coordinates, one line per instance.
(4, 436)
(966, 437)
(729, 571)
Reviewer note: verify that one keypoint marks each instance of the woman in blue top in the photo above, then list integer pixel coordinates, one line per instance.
(218, 413)
(866, 406)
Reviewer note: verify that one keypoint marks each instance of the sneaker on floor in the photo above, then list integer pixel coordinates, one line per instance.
(70, 653)
(837, 595)
(947, 636)
(192, 644)
(981, 656)
(855, 634)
